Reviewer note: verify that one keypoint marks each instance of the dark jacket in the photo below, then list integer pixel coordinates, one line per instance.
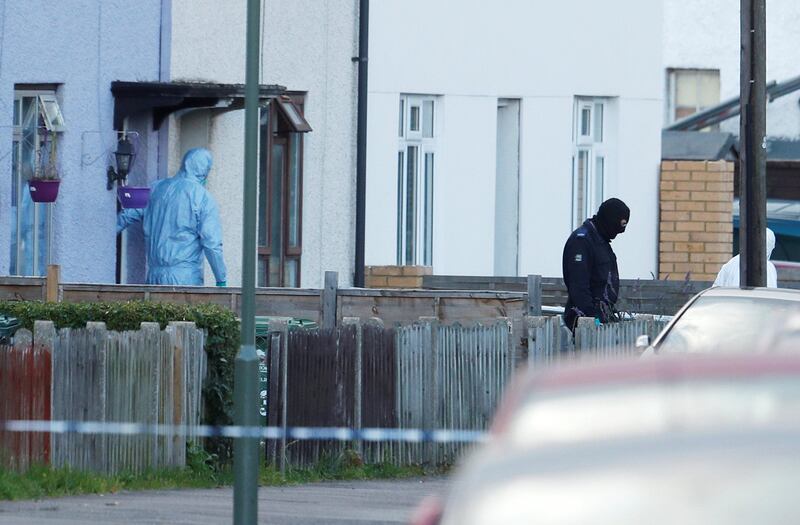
(590, 274)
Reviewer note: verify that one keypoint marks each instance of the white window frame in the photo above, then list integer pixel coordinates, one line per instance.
(50, 112)
(588, 196)
(420, 249)
(672, 91)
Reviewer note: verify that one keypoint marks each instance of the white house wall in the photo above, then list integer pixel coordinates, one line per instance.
(308, 46)
(465, 182)
(381, 210)
(546, 149)
(705, 34)
(470, 56)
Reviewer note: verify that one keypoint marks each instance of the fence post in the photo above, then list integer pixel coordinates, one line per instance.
(282, 327)
(44, 340)
(21, 400)
(583, 333)
(329, 300)
(273, 393)
(151, 337)
(430, 388)
(53, 282)
(358, 379)
(512, 345)
(534, 295)
(179, 333)
(96, 408)
(537, 339)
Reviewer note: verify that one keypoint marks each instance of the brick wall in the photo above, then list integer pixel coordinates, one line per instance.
(396, 276)
(696, 224)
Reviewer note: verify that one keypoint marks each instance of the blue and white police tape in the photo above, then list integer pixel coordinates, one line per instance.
(296, 433)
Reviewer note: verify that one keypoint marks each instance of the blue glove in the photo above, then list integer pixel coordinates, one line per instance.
(222, 284)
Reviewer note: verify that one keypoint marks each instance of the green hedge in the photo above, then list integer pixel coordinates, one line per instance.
(222, 341)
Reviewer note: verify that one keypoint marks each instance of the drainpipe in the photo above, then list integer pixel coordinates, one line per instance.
(361, 140)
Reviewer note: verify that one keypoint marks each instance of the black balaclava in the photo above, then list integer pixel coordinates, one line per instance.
(609, 218)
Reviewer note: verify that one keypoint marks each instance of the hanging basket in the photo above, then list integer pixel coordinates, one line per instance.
(133, 197)
(43, 190)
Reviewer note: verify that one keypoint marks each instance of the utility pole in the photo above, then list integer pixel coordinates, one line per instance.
(245, 449)
(753, 152)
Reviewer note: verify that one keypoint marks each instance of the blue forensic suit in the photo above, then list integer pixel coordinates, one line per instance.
(181, 224)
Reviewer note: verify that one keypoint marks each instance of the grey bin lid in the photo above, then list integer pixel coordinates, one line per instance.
(8, 325)
(263, 322)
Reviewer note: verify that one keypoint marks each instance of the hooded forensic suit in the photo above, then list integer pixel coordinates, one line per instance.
(181, 224)
(729, 273)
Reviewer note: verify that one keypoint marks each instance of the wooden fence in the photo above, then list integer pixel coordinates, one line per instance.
(425, 375)
(327, 306)
(636, 296)
(147, 376)
(25, 379)
(550, 341)
(447, 298)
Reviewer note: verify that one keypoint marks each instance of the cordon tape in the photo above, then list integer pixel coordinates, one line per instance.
(260, 432)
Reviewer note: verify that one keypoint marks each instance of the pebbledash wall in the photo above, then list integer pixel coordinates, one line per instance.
(81, 47)
(696, 230)
(307, 46)
(468, 57)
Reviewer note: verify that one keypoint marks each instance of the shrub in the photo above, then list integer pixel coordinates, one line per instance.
(222, 342)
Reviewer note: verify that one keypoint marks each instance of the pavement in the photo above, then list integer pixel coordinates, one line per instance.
(339, 502)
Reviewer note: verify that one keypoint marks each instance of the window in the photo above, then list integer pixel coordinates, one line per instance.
(589, 157)
(416, 164)
(37, 121)
(690, 91)
(280, 192)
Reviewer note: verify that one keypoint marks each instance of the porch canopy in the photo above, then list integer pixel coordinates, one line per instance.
(165, 98)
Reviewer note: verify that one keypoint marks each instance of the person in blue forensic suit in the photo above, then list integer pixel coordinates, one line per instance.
(590, 266)
(181, 224)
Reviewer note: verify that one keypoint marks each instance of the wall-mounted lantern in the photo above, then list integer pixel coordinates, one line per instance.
(124, 157)
(129, 196)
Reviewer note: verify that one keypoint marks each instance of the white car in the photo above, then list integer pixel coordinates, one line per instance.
(725, 320)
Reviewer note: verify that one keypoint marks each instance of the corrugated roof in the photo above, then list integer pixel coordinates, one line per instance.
(708, 145)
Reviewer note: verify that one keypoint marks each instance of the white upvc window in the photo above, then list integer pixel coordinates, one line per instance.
(37, 119)
(690, 91)
(416, 162)
(590, 156)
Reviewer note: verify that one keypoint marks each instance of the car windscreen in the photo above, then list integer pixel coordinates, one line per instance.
(727, 324)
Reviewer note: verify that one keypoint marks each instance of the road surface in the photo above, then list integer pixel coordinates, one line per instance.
(339, 502)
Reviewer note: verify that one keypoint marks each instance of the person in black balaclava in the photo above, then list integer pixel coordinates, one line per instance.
(590, 266)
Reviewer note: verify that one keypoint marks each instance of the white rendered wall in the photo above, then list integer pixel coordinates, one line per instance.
(308, 46)
(706, 34)
(545, 56)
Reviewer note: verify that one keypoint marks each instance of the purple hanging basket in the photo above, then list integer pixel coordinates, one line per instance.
(43, 190)
(133, 197)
